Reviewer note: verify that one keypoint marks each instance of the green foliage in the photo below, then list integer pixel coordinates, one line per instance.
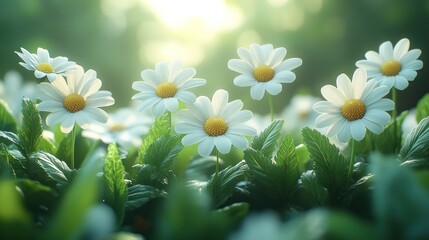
(114, 181)
(221, 185)
(159, 158)
(235, 212)
(422, 109)
(31, 130)
(6, 170)
(416, 145)
(160, 128)
(12, 138)
(314, 194)
(266, 141)
(49, 170)
(79, 198)
(400, 201)
(138, 195)
(35, 194)
(7, 121)
(64, 151)
(329, 164)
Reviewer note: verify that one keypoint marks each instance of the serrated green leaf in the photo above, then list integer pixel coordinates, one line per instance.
(12, 138)
(49, 170)
(31, 130)
(422, 109)
(266, 141)
(318, 195)
(138, 195)
(329, 164)
(7, 121)
(79, 198)
(400, 202)
(416, 145)
(65, 150)
(160, 128)
(114, 181)
(19, 163)
(221, 186)
(286, 158)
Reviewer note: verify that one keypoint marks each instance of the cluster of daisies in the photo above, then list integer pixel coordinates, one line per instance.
(72, 96)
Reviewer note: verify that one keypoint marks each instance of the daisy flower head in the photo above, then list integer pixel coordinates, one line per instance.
(126, 127)
(392, 66)
(263, 69)
(216, 123)
(77, 100)
(353, 106)
(162, 87)
(43, 65)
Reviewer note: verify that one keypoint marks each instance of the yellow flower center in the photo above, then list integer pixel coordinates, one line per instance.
(166, 90)
(391, 68)
(74, 103)
(303, 114)
(45, 67)
(263, 73)
(353, 109)
(215, 126)
(116, 127)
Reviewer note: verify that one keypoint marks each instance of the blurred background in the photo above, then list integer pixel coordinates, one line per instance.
(119, 39)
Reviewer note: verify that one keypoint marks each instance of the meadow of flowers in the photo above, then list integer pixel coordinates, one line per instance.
(175, 165)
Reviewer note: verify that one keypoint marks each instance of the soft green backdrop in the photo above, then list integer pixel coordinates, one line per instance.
(119, 39)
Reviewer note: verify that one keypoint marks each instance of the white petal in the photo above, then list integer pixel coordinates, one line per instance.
(414, 65)
(374, 57)
(159, 108)
(344, 133)
(401, 48)
(240, 66)
(386, 51)
(373, 127)
(244, 81)
(326, 119)
(68, 123)
(96, 114)
(401, 83)
(377, 116)
(147, 104)
(206, 146)
(289, 64)
(273, 88)
(383, 104)
(143, 86)
(193, 138)
(186, 96)
(375, 95)
(39, 74)
(231, 108)
(185, 75)
(238, 141)
(150, 76)
(43, 55)
(358, 130)
(223, 144)
(257, 91)
(56, 117)
(162, 69)
(242, 129)
(219, 101)
(368, 65)
(186, 128)
(245, 55)
(50, 106)
(284, 77)
(276, 57)
(258, 54)
(345, 86)
(408, 74)
(195, 82)
(388, 81)
(171, 104)
(333, 95)
(51, 76)
(175, 67)
(239, 117)
(335, 128)
(359, 82)
(410, 56)
(325, 107)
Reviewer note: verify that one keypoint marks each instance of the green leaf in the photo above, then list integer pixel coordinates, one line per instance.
(416, 145)
(286, 158)
(36, 194)
(7, 121)
(160, 128)
(46, 145)
(12, 138)
(6, 170)
(266, 141)
(49, 170)
(422, 110)
(31, 130)
(400, 202)
(235, 212)
(114, 180)
(329, 164)
(19, 163)
(314, 193)
(79, 198)
(221, 186)
(138, 195)
(65, 150)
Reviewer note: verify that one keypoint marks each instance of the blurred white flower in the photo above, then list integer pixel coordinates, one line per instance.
(13, 89)
(392, 67)
(76, 101)
(259, 122)
(409, 122)
(125, 127)
(161, 88)
(353, 106)
(43, 65)
(215, 123)
(299, 113)
(262, 68)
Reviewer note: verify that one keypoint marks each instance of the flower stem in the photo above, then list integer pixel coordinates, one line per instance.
(73, 139)
(270, 100)
(394, 114)
(169, 120)
(217, 162)
(352, 159)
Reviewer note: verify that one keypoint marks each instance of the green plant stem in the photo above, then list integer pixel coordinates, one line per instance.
(270, 100)
(352, 159)
(394, 114)
(217, 162)
(73, 139)
(169, 119)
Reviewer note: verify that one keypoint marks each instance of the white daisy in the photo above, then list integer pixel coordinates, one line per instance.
(161, 88)
(125, 127)
(13, 89)
(215, 123)
(392, 67)
(353, 106)
(299, 113)
(43, 65)
(75, 101)
(262, 68)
